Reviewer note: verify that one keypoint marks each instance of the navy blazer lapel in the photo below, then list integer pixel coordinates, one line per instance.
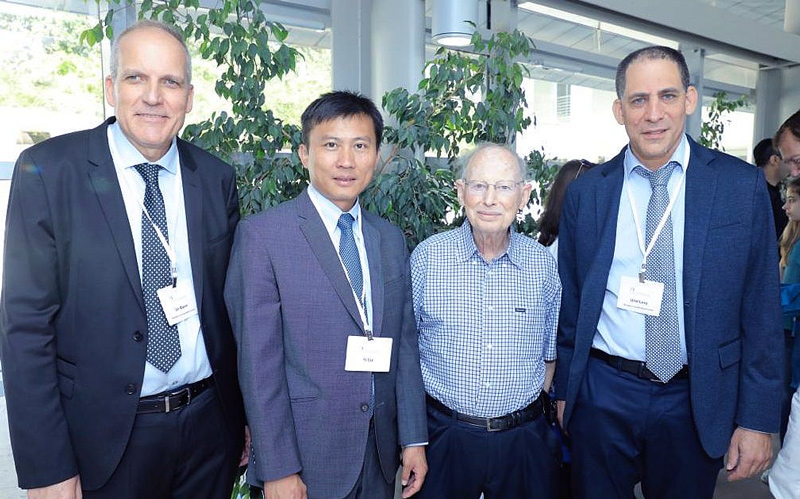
(701, 189)
(372, 241)
(607, 196)
(105, 183)
(193, 203)
(317, 236)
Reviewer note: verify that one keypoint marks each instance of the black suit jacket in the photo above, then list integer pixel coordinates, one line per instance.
(72, 315)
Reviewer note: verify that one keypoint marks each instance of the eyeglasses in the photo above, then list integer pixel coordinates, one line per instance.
(503, 188)
(793, 161)
(584, 164)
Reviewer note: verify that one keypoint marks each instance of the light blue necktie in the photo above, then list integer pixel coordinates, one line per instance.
(163, 343)
(349, 253)
(662, 333)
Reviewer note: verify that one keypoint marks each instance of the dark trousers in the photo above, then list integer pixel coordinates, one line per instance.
(371, 483)
(466, 460)
(625, 430)
(182, 454)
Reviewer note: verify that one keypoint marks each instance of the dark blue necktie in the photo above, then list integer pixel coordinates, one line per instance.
(163, 344)
(662, 333)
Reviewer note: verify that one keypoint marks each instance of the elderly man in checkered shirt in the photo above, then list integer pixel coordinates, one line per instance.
(486, 300)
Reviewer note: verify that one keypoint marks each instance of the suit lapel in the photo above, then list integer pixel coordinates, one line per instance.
(607, 195)
(701, 188)
(103, 178)
(317, 236)
(372, 241)
(193, 202)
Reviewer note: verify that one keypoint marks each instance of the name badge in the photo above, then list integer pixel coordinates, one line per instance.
(177, 303)
(365, 355)
(640, 297)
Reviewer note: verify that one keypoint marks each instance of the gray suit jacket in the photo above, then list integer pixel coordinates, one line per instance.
(292, 310)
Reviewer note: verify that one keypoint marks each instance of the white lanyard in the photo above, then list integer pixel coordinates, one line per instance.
(167, 247)
(646, 251)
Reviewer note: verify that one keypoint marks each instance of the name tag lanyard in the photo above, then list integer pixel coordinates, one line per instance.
(646, 250)
(173, 265)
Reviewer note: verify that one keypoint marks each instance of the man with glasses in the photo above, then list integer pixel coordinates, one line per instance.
(486, 300)
(787, 141)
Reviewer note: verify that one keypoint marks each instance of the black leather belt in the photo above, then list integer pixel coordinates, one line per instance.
(635, 367)
(499, 423)
(174, 400)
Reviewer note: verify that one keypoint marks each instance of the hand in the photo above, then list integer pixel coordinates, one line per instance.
(560, 406)
(415, 467)
(288, 487)
(68, 489)
(246, 451)
(748, 454)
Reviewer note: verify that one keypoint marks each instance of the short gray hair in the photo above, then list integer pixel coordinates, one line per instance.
(464, 160)
(147, 23)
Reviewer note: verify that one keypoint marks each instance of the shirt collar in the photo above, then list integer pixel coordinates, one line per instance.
(329, 212)
(678, 156)
(129, 156)
(467, 248)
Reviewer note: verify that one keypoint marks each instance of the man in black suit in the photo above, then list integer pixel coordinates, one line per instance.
(118, 359)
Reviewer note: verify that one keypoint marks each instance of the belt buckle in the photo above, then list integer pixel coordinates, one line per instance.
(489, 425)
(177, 394)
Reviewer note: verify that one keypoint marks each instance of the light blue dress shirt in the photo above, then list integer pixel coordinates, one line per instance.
(486, 329)
(193, 364)
(621, 332)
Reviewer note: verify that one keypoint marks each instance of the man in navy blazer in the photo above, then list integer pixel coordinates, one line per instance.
(304, 307)
(89, 413)
(722, 390)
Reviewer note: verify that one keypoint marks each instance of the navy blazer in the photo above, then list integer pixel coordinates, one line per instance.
(730, 285)
(292, 310)
(72, 314)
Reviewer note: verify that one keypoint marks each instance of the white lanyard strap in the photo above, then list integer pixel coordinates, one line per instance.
(640, 236)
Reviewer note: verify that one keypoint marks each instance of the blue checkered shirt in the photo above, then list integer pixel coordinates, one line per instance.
(485, 329)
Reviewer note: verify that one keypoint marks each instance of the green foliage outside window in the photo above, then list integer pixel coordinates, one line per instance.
(714, 126)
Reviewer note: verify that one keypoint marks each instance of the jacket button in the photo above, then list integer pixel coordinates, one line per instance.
(137, 336)
(130, 388)
(364, 407)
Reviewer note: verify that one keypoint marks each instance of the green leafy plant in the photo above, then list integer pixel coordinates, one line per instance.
(464, 98)
(714, 126)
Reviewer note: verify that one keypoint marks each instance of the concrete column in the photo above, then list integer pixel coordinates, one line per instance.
(398, 47)
(503, 15)
(694, 59)
(767, 115)
(791, 17)
(350, 54)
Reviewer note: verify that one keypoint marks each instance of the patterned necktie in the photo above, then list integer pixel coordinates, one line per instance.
(662, 334)
(163, 344)
(349, 253)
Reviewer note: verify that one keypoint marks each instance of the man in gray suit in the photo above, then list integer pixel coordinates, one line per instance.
(319, 295)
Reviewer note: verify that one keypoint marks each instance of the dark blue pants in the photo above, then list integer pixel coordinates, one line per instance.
(625, 430)
(186, 453)
(465, 460)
